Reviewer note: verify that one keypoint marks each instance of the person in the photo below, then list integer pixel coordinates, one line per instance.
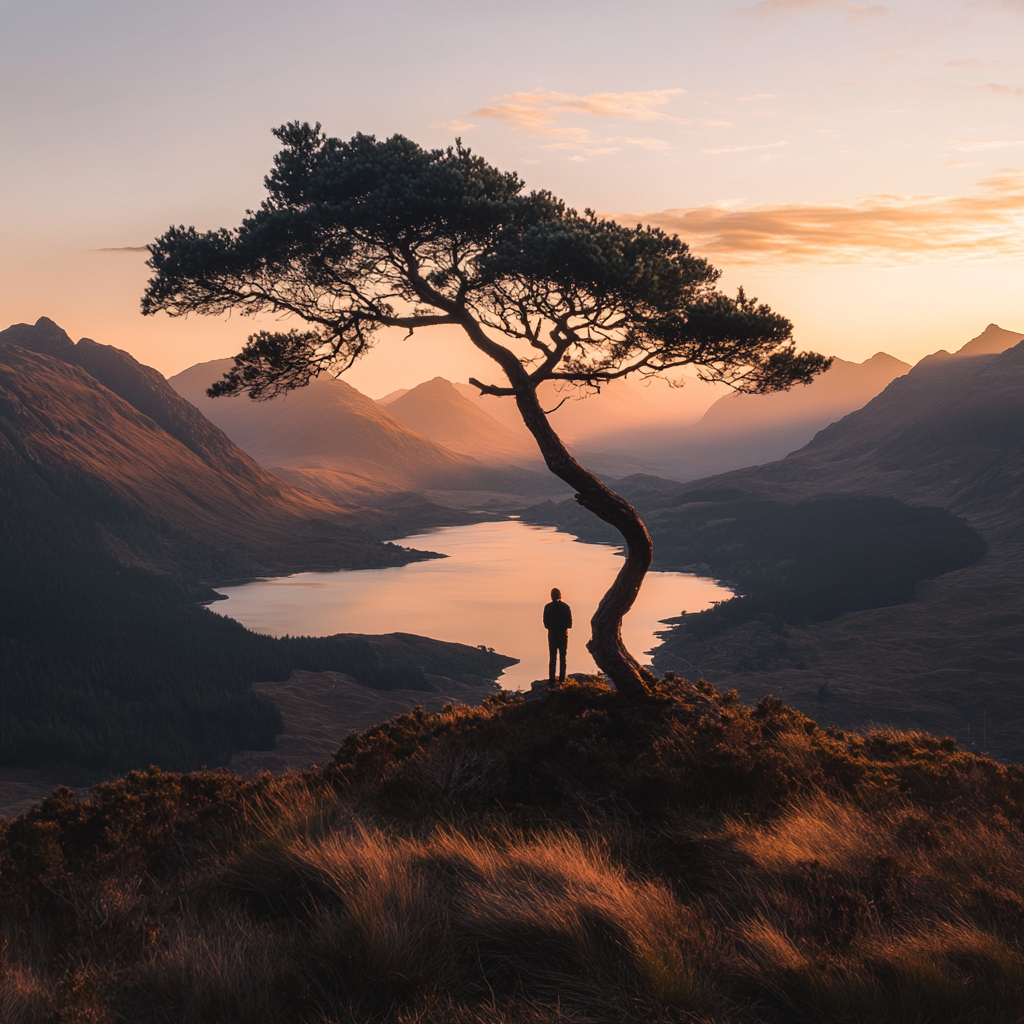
(558, 622)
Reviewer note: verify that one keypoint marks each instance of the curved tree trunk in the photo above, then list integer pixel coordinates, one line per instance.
(605, 643)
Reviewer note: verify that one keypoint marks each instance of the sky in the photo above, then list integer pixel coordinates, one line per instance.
(857, 166)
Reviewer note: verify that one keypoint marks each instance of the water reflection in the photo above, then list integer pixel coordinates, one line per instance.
(490, 590)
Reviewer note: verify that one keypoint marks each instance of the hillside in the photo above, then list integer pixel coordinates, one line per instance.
(117, 501)
(922, 484)
(949, 434)
(439, 411)
(92, 410)
(109, 666)
(573, 858)
(332, 440)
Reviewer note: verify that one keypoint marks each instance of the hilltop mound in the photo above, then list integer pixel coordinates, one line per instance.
(577, 858)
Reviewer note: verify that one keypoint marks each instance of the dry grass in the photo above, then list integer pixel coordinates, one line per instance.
(692, 860)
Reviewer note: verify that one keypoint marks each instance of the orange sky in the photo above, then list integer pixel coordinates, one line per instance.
(860, 167)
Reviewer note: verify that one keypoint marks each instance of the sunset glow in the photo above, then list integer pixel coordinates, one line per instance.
(853, 165)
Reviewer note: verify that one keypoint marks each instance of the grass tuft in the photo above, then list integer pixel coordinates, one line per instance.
(580, 858)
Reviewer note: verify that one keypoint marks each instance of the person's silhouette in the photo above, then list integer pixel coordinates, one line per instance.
(558, 622)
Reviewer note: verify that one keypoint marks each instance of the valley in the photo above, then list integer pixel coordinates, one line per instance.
(315, 482)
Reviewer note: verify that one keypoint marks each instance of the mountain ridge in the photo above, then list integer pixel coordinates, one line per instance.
(191, 475)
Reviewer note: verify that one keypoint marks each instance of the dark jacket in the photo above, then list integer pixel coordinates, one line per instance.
(557, 616)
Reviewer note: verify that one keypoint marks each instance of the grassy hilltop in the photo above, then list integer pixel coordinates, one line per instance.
(577, 858)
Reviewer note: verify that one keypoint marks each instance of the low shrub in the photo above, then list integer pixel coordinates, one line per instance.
(577, 858)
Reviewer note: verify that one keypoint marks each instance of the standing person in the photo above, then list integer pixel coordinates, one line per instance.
(558, 622)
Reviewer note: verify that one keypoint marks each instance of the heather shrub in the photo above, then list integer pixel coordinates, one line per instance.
(576, 858)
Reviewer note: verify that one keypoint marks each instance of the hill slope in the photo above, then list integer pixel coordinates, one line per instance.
(951, 434)
(439, 411)
(103, 663)
(93, 410)
(577, 858)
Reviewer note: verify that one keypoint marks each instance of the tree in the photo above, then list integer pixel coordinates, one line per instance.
(359, 235)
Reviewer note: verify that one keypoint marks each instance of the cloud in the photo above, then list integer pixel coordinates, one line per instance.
(872, 229)
(539, 112)
(741, 149)
(453, 126)
(125, 248)
(1003, 90)
(853, 12)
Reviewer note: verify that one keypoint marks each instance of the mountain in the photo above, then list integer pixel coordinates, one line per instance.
(742, 430)
(331, 439)
(881, 566)
(584, 415)
(92, 410)
(439, 411)
(327, 429)
(991, 341)
(117, 498)
(949, 434)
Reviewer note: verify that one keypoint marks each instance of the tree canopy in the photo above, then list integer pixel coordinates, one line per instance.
(360, 235)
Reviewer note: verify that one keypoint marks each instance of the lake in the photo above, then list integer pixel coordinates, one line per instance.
(490, 590)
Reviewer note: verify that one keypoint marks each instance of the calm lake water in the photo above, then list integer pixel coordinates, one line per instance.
(491, 590)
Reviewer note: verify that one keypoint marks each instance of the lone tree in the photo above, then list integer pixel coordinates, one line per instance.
(359, 235)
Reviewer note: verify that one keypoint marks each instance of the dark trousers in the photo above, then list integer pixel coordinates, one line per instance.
(558, 641)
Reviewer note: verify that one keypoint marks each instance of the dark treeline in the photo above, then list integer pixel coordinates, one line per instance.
(113, 666)
(790, 562)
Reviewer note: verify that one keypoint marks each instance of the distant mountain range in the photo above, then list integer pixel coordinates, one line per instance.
(950, 434)
(331, 439)
(93, 410)
(439, 410)
(446, 441)
(743, 430)
(582, 414)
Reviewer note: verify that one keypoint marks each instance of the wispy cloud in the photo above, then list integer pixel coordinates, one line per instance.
(124, 248)
(453, 126)
(881, 228)
(741, 149)
(1003, 90)
(853, 11)
(539, 111)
